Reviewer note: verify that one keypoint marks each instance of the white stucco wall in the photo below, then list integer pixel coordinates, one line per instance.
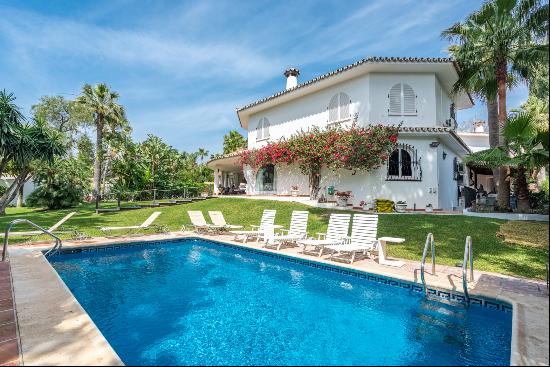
(28, 188)
(447, 185)
(369, 96)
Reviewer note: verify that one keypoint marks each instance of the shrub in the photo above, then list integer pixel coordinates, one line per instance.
(61, 185)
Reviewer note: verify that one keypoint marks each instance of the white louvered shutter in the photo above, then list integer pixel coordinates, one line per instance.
(395, 100)
(344, 106)
(259, 131)
(266, 128)
(409, 100)
(333, 109)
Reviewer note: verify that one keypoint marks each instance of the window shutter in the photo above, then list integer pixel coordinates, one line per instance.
(333, 109)
(344, 106)
(259, 129)
(409, 100)
(266, 128)
(395, 100)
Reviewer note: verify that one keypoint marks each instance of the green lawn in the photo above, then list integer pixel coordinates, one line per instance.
(491, 252)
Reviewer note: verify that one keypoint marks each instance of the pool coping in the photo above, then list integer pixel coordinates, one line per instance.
(54, 329)
(524, 346)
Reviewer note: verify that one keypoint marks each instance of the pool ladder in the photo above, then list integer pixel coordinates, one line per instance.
(429, 241)
(55, 247)
(468, 260)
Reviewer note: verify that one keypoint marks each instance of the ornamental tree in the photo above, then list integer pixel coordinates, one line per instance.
(359, 148)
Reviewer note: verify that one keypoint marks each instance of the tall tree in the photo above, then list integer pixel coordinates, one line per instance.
(233, 141)
(202, 153)
(103, 103)
(527, 150)
(33, 143)
(511, 37)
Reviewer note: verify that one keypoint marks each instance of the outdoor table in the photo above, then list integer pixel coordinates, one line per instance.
(382, 257)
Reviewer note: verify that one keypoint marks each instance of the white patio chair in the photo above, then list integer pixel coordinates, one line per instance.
(363, 239)
(218, 219)
(135, 229)
(267, 221)
(37, 233)
(337, 231)
(199, 222)
(296, 232)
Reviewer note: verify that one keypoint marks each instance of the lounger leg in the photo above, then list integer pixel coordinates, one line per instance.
(352, 257)
(321, 251)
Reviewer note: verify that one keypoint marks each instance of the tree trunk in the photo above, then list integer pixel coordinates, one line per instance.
(20, 195)
(492, 122)
(522, 189)
(314, 182)
(12, 190)
(503, 196)
(98, 156)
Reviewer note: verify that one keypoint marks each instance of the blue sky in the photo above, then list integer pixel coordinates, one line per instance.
(181, 68)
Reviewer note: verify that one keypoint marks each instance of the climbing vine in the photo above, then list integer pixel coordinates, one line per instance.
(357, 148)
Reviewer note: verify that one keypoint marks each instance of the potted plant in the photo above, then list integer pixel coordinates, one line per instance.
(429, 208)
(342, 198)
(401, 206)
(294, 190)
(362, 204)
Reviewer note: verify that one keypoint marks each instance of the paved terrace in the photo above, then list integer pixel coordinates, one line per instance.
(54, 329)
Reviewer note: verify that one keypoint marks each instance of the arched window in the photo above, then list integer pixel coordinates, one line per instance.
(404, 164)
(262, 131)
(338, 107)
(265, 178)
(402, 100)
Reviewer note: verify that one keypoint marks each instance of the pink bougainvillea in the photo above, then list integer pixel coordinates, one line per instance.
(358, 148)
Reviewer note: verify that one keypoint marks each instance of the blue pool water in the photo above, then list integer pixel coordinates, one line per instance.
(193, 302)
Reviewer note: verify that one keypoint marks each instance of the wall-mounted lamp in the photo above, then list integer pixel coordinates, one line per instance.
(444, 155)
(434, 144)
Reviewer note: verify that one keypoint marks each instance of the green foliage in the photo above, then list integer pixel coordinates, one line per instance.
(60, 185)
(233, 141)
(352, 149)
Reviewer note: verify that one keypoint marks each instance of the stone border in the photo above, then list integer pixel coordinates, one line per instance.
(508, 216)
(54, 329)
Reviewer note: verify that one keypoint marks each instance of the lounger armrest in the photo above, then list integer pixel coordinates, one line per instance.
(321, 236)
(254, 226)
(392, 239)
(346, 239)
(284, 230)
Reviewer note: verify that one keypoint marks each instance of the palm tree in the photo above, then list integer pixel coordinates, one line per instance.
(106, 112)
(32, 143)
(527, 150)
(202, 153)
(11, 120)
(505, 35)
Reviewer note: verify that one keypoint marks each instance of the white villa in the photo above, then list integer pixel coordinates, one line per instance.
(416, 92)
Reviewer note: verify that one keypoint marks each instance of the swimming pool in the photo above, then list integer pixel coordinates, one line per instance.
(192, 302)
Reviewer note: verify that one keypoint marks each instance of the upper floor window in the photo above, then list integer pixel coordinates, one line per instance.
(404, 164)
(402, 100)
(262, 131)
(338, 107)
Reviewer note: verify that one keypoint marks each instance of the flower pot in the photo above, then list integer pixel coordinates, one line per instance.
(294, 192)
(401, 208)
(429, 209)
(342, 201)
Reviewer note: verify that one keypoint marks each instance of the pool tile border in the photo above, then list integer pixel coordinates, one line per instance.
(444, 295)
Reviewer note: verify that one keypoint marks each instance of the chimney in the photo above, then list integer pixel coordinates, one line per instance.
(291, 77)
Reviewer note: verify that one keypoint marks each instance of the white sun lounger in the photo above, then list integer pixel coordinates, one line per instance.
(218, 219)
(267, 221)
(337, 231)
(363, 239)
(200, 224)
(142, 226)
(51, 229)
(296, 232)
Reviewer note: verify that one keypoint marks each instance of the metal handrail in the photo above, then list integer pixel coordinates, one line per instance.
(468, 258)
(57, 245)
(429, 241)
